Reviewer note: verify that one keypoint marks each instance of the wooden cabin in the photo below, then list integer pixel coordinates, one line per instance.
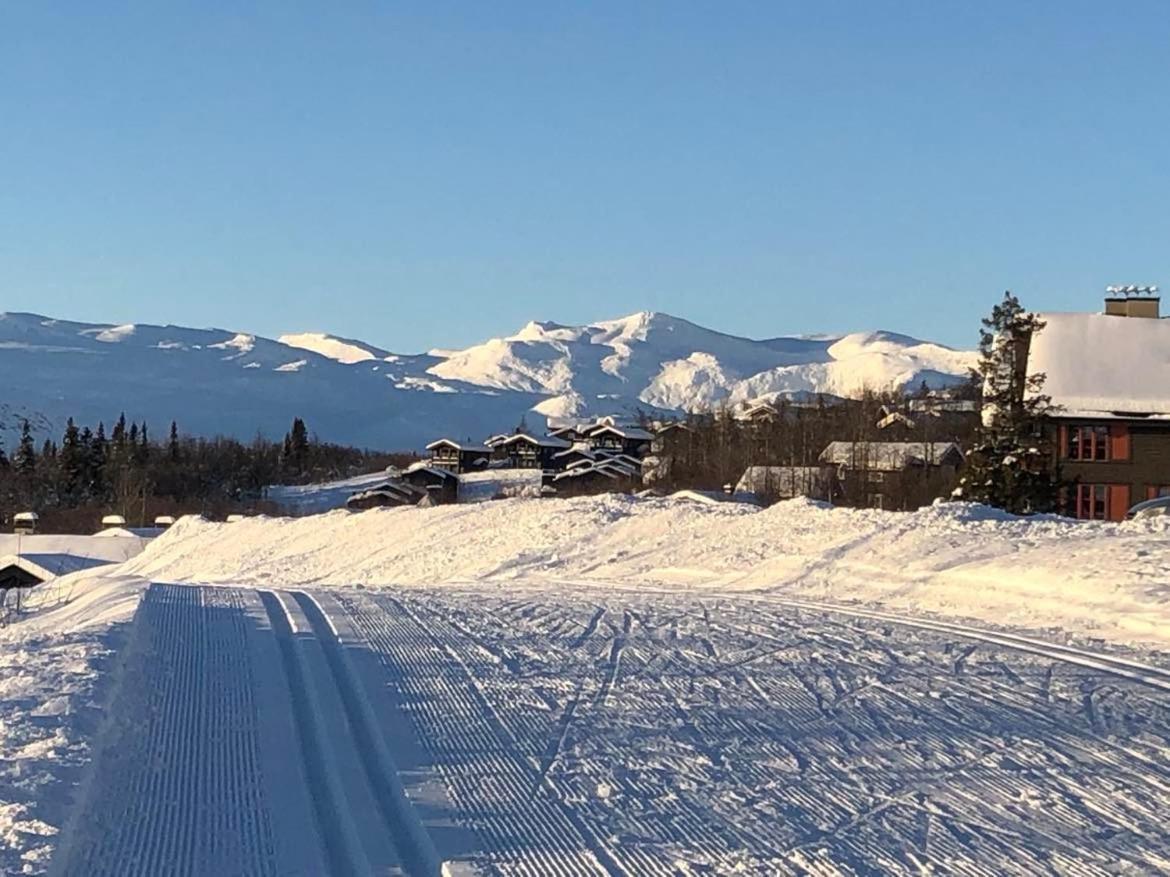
(534, 452)
(631, 440)
(431, 479)
(459, 457)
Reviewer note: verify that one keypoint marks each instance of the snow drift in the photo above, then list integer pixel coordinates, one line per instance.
(1095, 579)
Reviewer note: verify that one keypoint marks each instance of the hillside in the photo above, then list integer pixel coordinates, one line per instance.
(221, 381)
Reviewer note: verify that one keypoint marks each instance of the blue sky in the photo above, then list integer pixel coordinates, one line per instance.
(435, 173)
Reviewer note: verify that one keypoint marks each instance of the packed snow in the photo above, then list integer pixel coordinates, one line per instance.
(604, 684)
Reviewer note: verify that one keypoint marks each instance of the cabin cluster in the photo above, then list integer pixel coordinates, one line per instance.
(578, 457)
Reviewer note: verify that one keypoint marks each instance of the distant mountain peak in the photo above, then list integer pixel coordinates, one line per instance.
(220, 381)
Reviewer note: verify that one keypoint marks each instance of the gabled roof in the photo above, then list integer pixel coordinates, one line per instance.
(759, 410)
(425, 466)
(463, 447)
(633, 433)
(895, 417)
(545, 441)
(889, 456)
(1098, 365)
(788, 481)
(577, 448)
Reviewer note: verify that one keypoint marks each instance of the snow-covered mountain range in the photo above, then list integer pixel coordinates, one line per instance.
(214, 381)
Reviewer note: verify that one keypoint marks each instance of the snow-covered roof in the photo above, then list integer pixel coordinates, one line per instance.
(634, 433)
(47, 566)
(544, 441)
(1104, 366)
(459, 446)
(425, 466)
(888, 456)
(499, 439)
(939, 406)
(787, 481)
(895, 417)
(577, 448)
(117, 532)
(762, 409)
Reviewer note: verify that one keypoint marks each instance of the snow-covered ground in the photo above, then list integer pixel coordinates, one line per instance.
(578, 731)
(56, 674)
(598, 685)
(310, 499)
(1103, 580)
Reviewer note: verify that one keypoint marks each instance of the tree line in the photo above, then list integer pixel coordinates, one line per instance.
(71, 482)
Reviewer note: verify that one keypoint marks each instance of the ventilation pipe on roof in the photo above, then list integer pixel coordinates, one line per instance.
(1132, 301)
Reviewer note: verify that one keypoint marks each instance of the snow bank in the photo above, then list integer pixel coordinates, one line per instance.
(1096, 579)
(50, 705)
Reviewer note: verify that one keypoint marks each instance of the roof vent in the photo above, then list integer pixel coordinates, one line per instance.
(1132, 301)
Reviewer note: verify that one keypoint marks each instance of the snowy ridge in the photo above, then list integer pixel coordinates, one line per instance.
(357, 393)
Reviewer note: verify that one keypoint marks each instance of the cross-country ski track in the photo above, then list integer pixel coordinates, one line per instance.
(572, 730)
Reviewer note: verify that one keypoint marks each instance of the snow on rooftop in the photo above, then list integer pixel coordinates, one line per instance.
(544, 441)
(459, 446)
(1102, 366)
(886, 456)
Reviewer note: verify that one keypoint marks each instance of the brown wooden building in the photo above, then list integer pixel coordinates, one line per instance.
(459, 457)
(1109, 376)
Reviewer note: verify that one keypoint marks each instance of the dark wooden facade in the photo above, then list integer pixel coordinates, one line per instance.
(458, 457)
(1111, 464)
(620, 440)
(533, 452)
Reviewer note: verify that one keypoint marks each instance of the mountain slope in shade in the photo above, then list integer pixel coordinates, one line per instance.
(215, 381)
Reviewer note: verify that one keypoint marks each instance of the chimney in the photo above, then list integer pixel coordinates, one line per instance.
(1132, 301)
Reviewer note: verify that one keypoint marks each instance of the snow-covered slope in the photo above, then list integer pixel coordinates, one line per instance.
(216, 381)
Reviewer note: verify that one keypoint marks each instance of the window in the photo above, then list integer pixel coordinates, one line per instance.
(1092, 502)
(1087, 443)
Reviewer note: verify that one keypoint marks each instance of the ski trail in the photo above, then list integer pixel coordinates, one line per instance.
(400, 820)
(342, 845)
(178, 786)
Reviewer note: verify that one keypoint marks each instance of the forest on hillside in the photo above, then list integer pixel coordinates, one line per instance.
(73, 481)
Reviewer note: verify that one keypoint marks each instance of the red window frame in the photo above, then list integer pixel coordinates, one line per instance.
(1092, 502)
(1088, 444)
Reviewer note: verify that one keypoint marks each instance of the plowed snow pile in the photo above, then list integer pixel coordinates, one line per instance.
(1096, 579)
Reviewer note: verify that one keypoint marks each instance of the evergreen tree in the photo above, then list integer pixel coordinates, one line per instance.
(25, 458)
(1011, 467)
(295, 451)
(118, 436)
(174, 452)
(71, 462)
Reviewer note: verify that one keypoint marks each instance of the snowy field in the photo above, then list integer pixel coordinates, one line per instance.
(588, 732)
(598, 686)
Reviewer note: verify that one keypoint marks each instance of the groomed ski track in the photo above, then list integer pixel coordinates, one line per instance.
(574, 731)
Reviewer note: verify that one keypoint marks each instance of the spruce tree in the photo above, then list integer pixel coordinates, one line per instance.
(1011, 466)
(25, 458)
(173, 450)
(71, 462)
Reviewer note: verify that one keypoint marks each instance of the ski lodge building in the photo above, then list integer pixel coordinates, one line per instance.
(1108, 375)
